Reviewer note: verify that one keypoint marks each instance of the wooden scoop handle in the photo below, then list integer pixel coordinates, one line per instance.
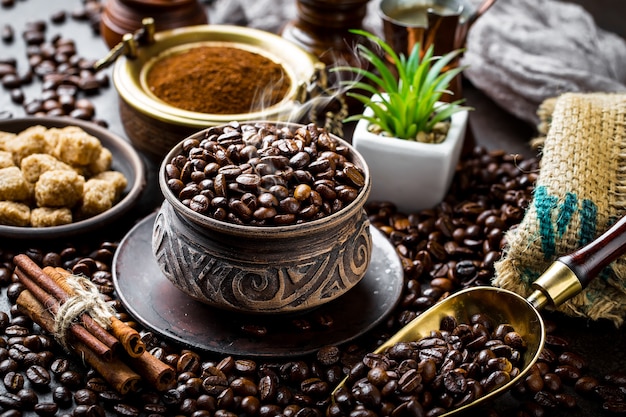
(588, 261)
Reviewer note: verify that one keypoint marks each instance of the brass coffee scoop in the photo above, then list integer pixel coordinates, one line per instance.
(565, 278)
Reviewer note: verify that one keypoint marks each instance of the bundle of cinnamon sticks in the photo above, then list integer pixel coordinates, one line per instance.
(114, 349)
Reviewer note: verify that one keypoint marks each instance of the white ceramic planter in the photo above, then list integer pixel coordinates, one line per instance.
(412, 175)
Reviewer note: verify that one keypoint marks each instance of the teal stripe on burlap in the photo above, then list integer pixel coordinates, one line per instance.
(544, 204)
(588, 222)
(566, 212)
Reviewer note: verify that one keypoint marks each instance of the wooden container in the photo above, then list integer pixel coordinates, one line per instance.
(124, 16)
(322, 27)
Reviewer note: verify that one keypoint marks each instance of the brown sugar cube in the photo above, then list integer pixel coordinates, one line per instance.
(6, 159)
(5, 137)
(116, 178)
(59, 188)
(27, 142)
(47, 216)
(53, 134)
(13, 186)
(36, 164)
(77, 147)
(98, 197)
(102, 163)
(14, 214)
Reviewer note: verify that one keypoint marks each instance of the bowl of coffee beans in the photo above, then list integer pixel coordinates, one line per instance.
(183, 80)
(263, 217)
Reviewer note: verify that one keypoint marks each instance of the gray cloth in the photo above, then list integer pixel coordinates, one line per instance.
(272, 15)
(521, 52)
(268, 15)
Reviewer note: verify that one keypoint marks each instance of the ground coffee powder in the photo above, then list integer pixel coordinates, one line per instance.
(218, 80)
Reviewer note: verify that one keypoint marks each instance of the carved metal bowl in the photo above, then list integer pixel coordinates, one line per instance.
(262, 269)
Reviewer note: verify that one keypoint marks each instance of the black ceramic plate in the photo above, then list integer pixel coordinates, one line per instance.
(125, 160)
(154, 302)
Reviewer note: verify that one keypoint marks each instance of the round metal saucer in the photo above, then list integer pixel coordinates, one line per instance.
(155, 303)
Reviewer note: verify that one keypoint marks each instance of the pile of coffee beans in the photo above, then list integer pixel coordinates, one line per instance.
(37, 376)
(67, 79)
(265, 174)
(448, 369)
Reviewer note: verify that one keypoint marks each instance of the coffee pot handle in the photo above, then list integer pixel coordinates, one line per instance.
(129, 44)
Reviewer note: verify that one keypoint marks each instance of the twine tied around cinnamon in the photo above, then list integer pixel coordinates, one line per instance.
(85, 298)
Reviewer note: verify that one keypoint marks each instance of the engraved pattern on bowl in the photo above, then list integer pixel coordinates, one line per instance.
(261, 274)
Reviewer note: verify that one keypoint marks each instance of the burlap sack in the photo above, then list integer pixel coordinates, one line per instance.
(580, 191)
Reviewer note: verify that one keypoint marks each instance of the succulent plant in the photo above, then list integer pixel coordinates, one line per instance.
(408, 100)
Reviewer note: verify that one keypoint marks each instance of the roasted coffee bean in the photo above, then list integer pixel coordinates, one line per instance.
(20, 321)
(126, 410)
(109, 397)
(245, 366)
(16, 330)
(188, 362)
(328, 355)
(13, 291)
(85, 396)
(8, 365)
(515, 340)
(566, 400)
(546, 399)
(46, 409)
(71, 379)
(567, 373)
(552, 382)
(13, 381)
(58, 17)
(17, 95)
(59, 365)
(534, 381)
(28, 398)
(38, 375)
(554, 341)
(586, 384)
(9, 400)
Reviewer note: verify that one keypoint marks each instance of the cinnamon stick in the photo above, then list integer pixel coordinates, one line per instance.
(36, 274)
(127, 336)
(119, 375)
(115, 372)
(158, 374)
(52, 304)
(57, 276)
